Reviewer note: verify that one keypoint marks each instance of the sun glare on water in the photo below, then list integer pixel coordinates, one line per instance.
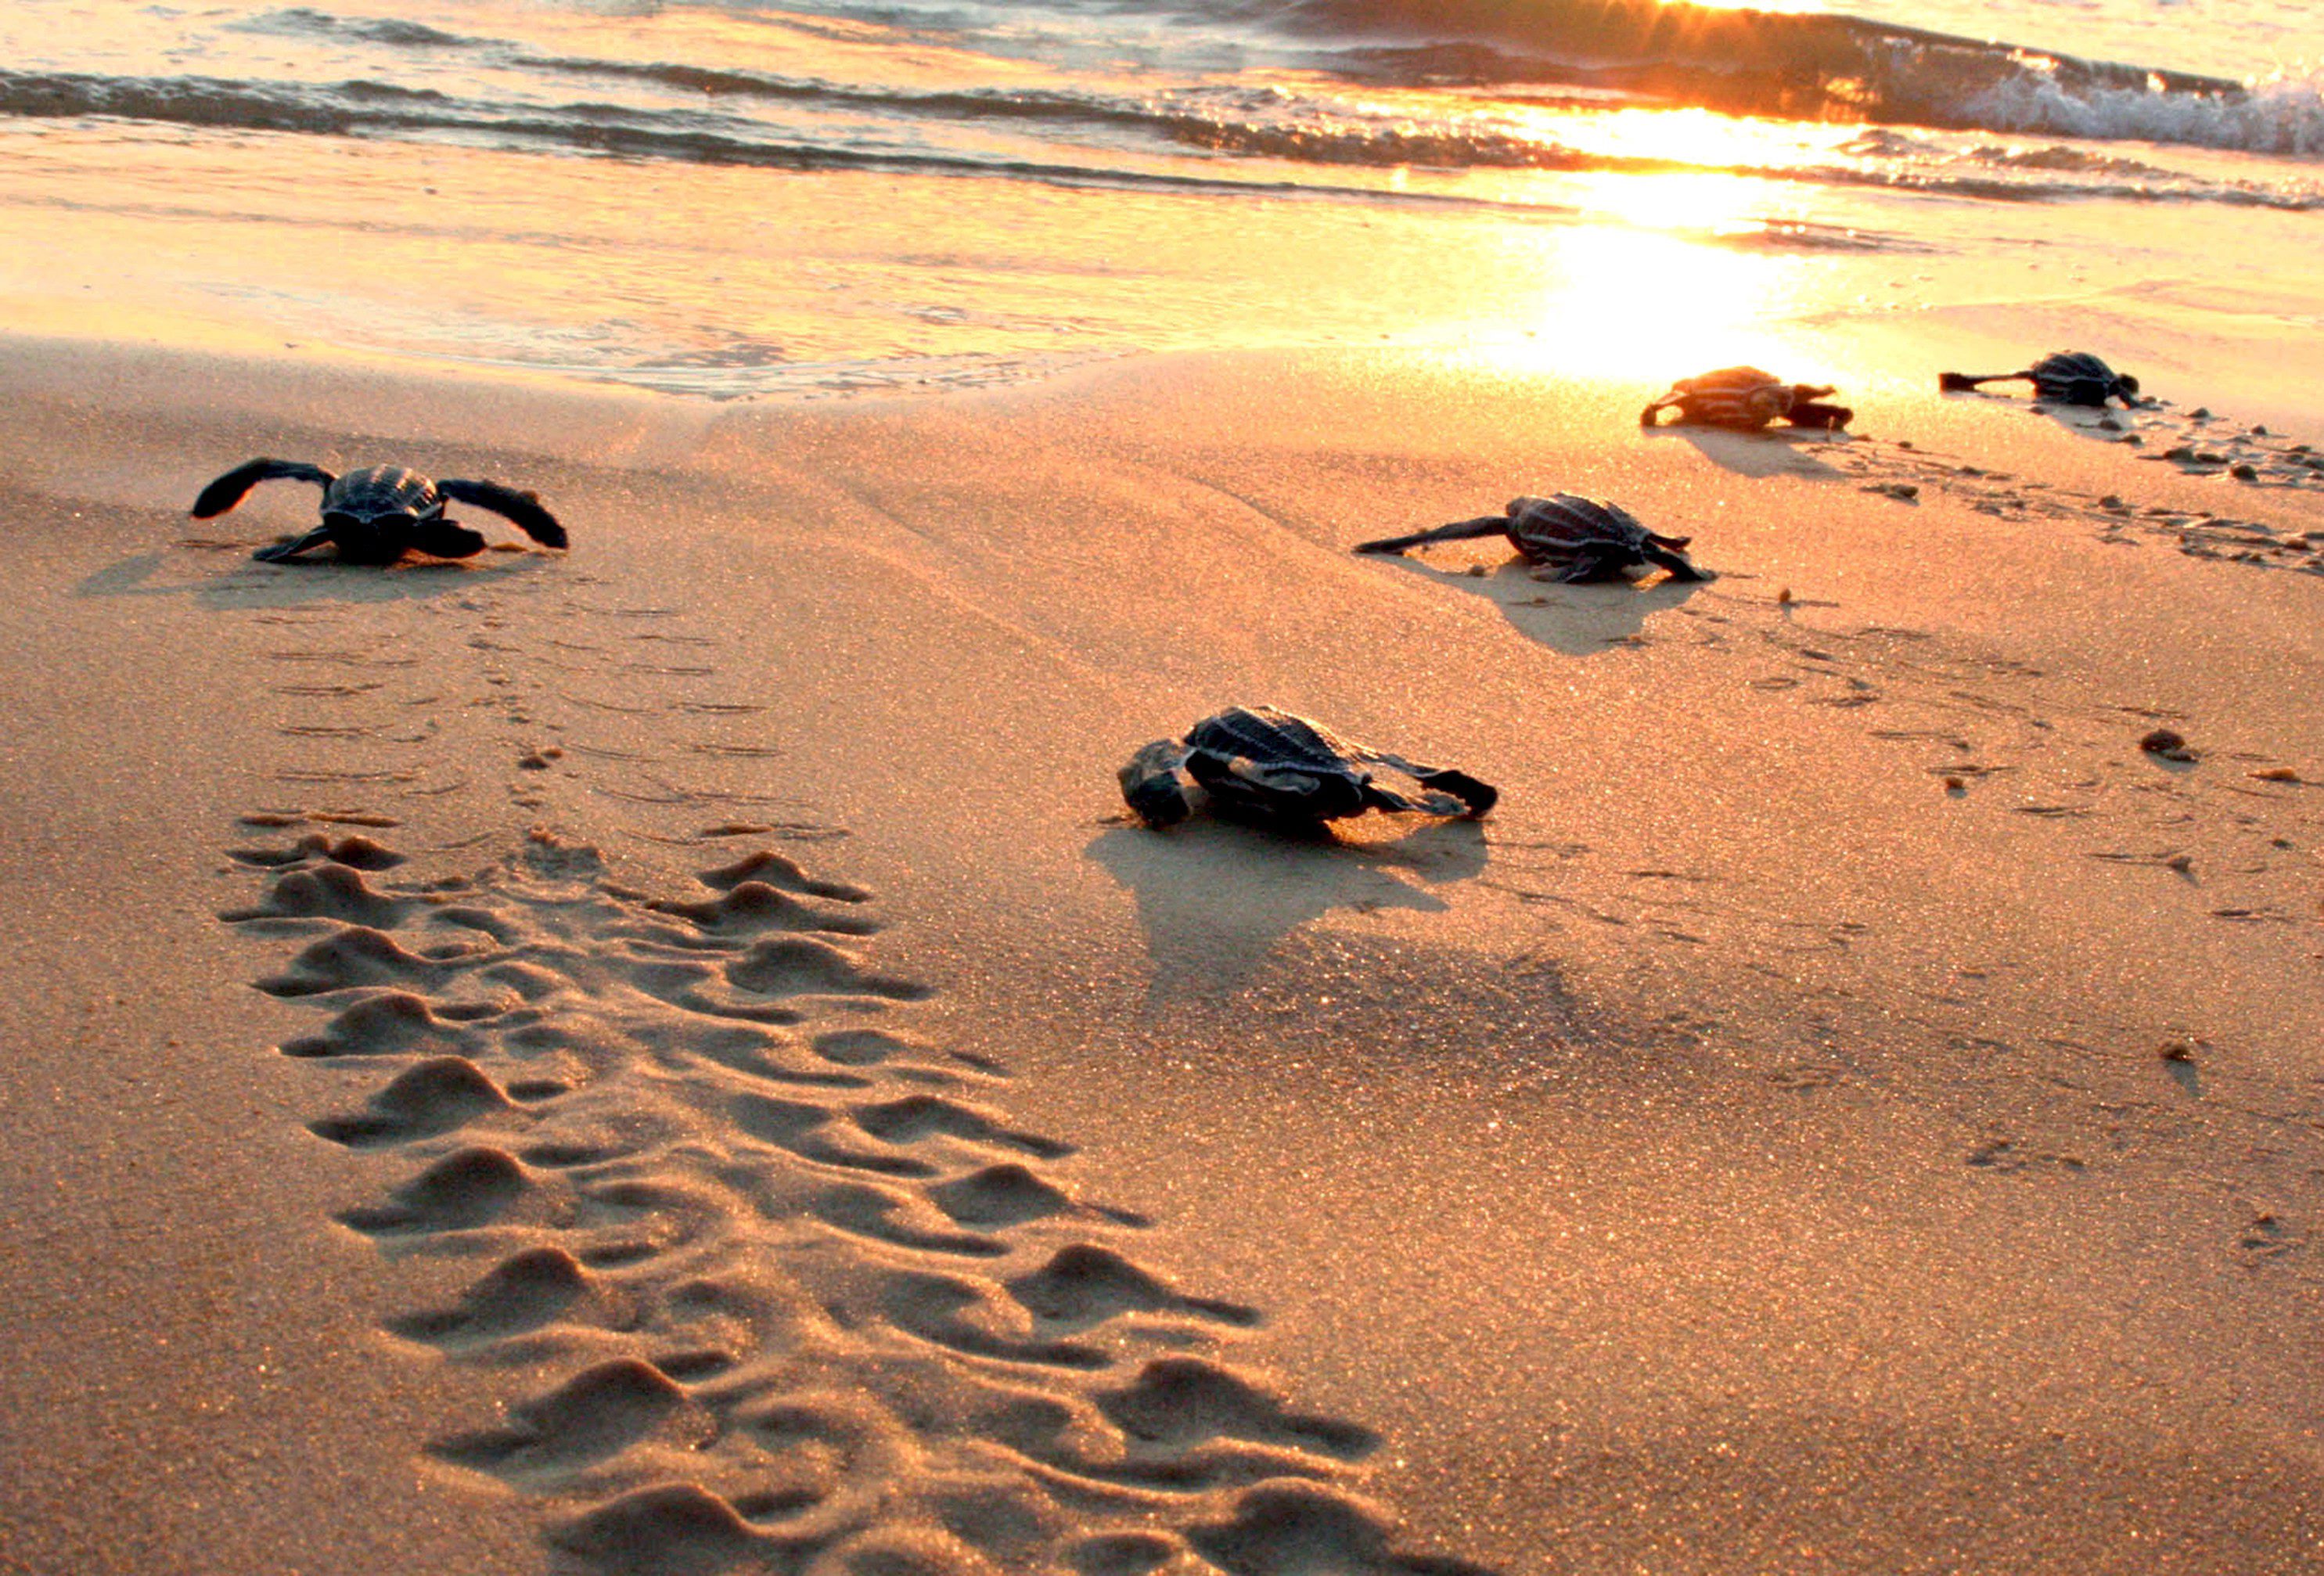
(1661, 276)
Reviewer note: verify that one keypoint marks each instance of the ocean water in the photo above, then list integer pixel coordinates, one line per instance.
(736, 198)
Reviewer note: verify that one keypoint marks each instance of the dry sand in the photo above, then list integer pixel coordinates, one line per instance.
(1751, 1148)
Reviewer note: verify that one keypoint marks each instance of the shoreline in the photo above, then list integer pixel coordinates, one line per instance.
(1738, 1120)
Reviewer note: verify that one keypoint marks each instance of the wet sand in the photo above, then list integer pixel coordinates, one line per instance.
(669, 1058)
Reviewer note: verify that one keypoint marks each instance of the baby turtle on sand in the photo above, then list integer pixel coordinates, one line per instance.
(2071, 377)
(377, 515)
(1746, 400)
(1259, 764)
(1583, 538)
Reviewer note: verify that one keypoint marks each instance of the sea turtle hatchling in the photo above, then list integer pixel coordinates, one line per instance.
(1746, 398)
(1582, 539)
(1256, 763)
(377, 515)
(2069, 377)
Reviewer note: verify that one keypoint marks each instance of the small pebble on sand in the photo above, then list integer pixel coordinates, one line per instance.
(2167, 744)
(2176, 1051)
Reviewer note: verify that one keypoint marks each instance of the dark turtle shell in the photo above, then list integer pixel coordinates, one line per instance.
(1583, 538)
(378, 514)
(2076, 377)
(378, 492)
(1746, 400)
(1590, 538)
(1256, 763)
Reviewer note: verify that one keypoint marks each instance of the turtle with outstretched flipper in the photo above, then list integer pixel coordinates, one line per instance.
(1583, 538)
(1746, 400)
(377, 515)
(1256, 763)
(2069, 377)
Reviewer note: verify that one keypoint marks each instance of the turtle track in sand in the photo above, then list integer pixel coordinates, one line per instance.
(813, 1296)
(777, 1286)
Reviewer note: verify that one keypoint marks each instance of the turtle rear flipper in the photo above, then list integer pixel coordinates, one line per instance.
(1458, 530)
(1680, 569)
(445, 539)
(281, 552)
(523, 509)
(1449, 792)
(1814, 414)
(1475, 795)
(1150, 785)
(231, 488)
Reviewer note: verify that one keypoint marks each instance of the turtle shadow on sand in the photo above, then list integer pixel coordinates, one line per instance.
(247, 585)
(2097, 426)
(2096, 423)
(1575, 620)
(1215, 896)
(1786, 453)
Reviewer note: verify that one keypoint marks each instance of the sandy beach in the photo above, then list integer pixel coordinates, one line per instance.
(670, 1057)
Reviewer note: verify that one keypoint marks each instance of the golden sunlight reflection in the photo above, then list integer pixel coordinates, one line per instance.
(1653, 294)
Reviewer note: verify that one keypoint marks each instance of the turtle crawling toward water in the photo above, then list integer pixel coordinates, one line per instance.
(1582, 539)
(1256, 763)
(377, 515)
(2069, 377)
(1746, 400)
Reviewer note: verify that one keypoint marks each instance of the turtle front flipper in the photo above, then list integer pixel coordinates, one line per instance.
(1150, 785)
(231, 488)
(1458, 530)
(282, 551)
(1961, 382)
(521, 509)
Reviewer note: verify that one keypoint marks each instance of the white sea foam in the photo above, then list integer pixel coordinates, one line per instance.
(2281, 115)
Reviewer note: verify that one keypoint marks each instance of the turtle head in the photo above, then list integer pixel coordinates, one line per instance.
(2127, 386)
(1150, 785)
(380, 539)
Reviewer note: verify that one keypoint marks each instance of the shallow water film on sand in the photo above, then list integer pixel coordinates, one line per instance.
(676, 196)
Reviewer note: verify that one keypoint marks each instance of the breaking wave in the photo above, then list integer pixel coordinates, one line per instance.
(1267, 138)
(1813, 66)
